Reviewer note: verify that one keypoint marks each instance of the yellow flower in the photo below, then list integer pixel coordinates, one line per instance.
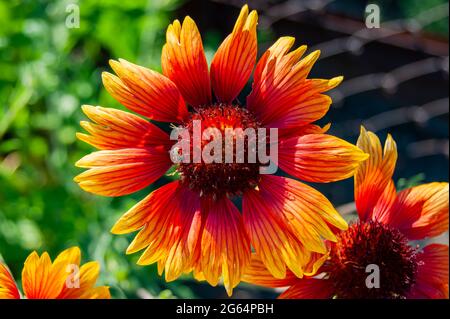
(61, 279)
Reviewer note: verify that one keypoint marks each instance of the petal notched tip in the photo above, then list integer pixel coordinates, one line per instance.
(252, 21)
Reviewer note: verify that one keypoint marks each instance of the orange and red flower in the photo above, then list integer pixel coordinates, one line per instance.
(191, 224)
(388, 220)
(60, 279)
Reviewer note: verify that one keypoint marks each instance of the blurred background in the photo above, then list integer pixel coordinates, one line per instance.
(396, 80)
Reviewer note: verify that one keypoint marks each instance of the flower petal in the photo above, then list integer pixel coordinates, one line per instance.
(287, 220)
(171, 221)
(154, 215)
(101, 292)
(374, 189)
(145, 92)
(272, 238)
(309, 288)
(85, 277)
(184, 62)
(432, 275)
(184, 250)
(122, 171)
(69, 256)
(319, 158)
(282, 97)
(286, 133)
(225, 248)
(41, 279)
(303, 113)
(258, 274)
(8, 288)
(421, 211)
(234, 60)
(114, 129)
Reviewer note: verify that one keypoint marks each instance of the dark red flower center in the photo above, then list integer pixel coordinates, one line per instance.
(367, 250)
(226, 174)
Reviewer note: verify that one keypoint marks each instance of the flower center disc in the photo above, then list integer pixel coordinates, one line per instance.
(226, 175)
(372, 243)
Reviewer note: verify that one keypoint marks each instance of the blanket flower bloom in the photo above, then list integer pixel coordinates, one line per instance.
(387, 222)
(60, 279)
(191, 224)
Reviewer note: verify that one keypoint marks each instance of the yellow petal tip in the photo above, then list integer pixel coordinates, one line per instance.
(336, 81)
(113, 62)
(115, 229)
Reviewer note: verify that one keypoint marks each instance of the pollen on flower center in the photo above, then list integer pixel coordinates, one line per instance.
(366, 243)
(228, 174)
